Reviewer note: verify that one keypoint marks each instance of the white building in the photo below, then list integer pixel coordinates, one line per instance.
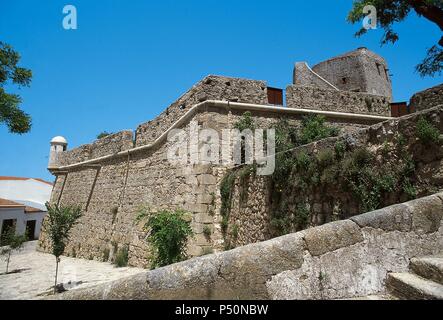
(21, 218)
(22, 204)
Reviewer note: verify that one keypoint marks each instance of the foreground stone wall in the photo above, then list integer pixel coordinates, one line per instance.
(251, 208)
(429, 98)
(304, 97)
(339, 260)
(210, 88)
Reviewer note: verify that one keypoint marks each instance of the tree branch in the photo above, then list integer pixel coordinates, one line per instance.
(430, 12)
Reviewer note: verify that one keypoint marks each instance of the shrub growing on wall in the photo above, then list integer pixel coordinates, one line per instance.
(426, 132)
(168, 234)
(121, 257)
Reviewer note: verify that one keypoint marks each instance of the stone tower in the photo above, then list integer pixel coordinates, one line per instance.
(58, 145)
(360, 70)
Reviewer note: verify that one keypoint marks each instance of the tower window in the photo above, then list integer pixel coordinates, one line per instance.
(378, 68)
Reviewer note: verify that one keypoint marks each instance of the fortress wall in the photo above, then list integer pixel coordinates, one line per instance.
(339, 101)
(304, 76)
(210, 88)
(334, 70)
(343, 259)
(111, 144)
(358, 71)
(428, 98)
(252, 213)
(112, 191)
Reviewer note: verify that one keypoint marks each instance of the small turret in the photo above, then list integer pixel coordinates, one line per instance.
(58, 145)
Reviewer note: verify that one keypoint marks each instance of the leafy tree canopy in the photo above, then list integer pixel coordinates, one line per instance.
(10, 114)
(390, 12)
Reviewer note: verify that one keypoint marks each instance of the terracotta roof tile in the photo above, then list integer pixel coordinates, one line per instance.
(11, 204)
(6, 178)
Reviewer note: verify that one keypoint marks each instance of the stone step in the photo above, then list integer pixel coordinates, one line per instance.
(429, 267)
(413, 287)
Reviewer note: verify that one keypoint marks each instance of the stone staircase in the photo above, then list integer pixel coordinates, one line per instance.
(423, 282)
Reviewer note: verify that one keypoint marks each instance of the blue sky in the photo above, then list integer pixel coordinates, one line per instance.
(128, 60)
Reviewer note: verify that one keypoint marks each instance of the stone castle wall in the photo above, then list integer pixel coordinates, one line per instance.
(304, 76)
(304, 97)
(343, 259)
(251, 213)
(210, 88)
(359, 71)
(111, 191)
(111, 144)
(429, 98)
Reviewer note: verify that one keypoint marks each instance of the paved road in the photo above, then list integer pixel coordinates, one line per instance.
(39, 270)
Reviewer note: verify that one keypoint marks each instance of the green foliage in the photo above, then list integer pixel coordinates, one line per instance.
(121, 257)
(426, 132)
(245, 122)
(409, 190)
(287, 137)
(433, 62)
(339, 149)
(325, 158)
(234, 232)
(302, 215)
(390, 12)
(169, 233)
(60, 221)
(226, 188)
(314, 128)
(15, 119)
(104, 134)
(10, 242)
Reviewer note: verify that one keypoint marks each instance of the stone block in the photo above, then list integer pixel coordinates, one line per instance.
(203, 218)
(202, 169)
(397, 217)
(332, 236)
(205, 198)
(196, 207)
(427, 214)
(207, 179)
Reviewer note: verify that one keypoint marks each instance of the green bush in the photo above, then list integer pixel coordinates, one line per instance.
(234, 232)
(302, 215)
(340, 150)
(314, 128)
(169, 233)
(245, 122)
(121, 258)
(9, 242)
(426, 132)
